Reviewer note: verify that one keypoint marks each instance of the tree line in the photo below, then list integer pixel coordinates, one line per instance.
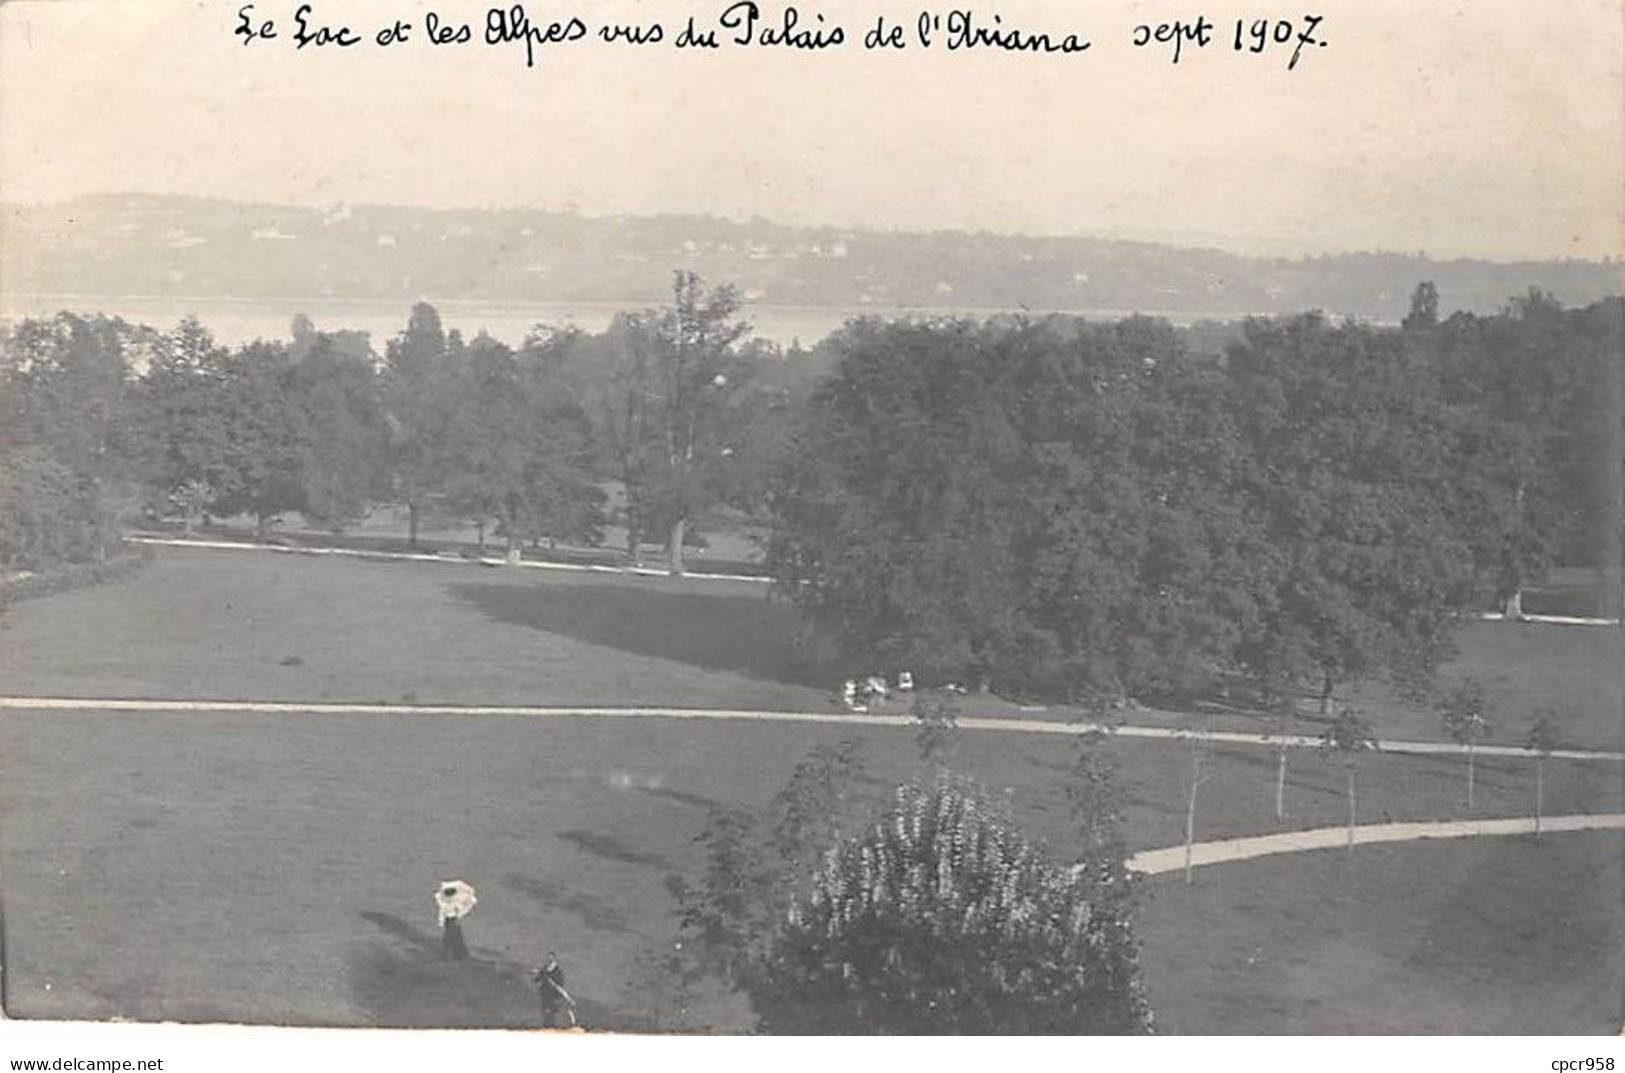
(1043, 506)
(675, 408)
(1095, 512)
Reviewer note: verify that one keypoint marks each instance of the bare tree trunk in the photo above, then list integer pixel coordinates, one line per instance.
(412, 524)
(1280, 784)
(1513, 608)
(1540, 765)
(634, 541)
(1470, 757)
(1190, 830)
(1190, 807)
(1326, 693)
(1351, 811)
(674, 547)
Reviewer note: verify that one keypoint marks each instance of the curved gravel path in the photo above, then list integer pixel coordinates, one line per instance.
(1172, 859)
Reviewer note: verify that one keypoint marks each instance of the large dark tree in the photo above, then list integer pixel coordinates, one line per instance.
(343, 434)
(485, 439)
(1350, 460)
(416, 382)
(1031, 506)
(266, 437)
(564, 500)
(1594, 471)
(1143, 554)
(517, 448)
(670, 399)
(180, 415)
(66, 436)
(897, 515)
(1511, 382)
(64, 386)
(698, 383)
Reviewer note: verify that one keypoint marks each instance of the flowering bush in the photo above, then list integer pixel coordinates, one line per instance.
(943, 918)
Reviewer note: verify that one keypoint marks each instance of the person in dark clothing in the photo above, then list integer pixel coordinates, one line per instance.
(555, 1000)
(452, 946)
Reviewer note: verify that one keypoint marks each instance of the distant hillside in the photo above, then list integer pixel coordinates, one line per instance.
(179, 247)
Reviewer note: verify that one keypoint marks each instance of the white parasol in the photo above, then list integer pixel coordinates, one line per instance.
(454, 900)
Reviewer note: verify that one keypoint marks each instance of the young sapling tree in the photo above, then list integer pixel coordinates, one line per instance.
(1463, 713)
(936, 719)
(1283, 720)
(1544, 738)
(1201, 748)
(1346, 740)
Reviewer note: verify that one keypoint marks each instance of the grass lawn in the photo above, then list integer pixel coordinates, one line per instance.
(1577, 671)
(233, 624)
(263, 626)
(279, 868)
(1503, 936)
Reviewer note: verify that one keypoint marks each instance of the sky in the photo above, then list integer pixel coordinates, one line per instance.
(1490, 128)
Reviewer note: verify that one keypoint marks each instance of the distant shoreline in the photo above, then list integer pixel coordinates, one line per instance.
(7, 299)
(236, 320)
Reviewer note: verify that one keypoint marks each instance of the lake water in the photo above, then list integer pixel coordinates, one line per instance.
(235, 321)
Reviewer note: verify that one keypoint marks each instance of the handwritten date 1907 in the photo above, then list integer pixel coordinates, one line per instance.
(1253, 36)
(1262, 34)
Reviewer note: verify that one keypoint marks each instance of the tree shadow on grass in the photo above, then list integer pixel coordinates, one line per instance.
(744, 634)
(592, 910)
(685, 797)
(1306, 772)
(611, 848)
(1555, 916)
(417, 938)
(404, 983)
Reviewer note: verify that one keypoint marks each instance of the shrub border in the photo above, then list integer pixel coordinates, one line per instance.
(77, 576)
